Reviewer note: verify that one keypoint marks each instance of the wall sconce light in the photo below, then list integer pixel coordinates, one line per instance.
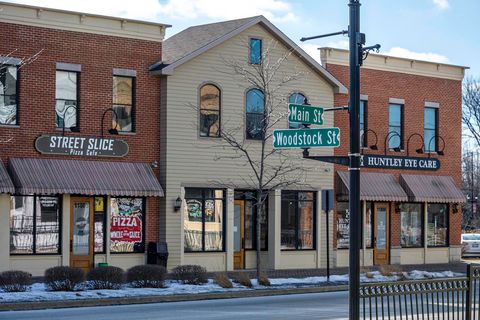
(177, 204)
(397, 207)
(455, 208)
(389, 136)
(419, 150)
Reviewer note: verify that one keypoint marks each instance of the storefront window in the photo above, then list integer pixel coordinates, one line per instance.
(99, 220)
(367, 231)
(250, 225)
(298, 220)
(411, 225)
(343, 221)
(126, 225)
(203, 219)
(437, 228)
(34, 225)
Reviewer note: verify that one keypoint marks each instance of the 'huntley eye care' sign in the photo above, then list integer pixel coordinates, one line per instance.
(81, 146)
(392, 162)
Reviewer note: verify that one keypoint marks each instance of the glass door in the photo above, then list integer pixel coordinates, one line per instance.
(381, 234)
(81, 233)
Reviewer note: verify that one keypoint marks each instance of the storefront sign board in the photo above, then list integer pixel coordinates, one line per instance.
(81, 146)
(397, 162)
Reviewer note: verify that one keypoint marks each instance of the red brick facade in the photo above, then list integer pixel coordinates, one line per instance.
(380, 86)
(98, 55)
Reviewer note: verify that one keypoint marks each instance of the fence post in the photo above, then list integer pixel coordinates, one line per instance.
(468, 300)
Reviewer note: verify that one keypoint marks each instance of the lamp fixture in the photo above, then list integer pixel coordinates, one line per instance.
(74, 128)
(389, 136)
(365, 133)
(439, 152)
(177, 204)
(419, 150)
(111, 130)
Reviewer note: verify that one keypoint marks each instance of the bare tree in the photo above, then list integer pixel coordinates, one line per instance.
(471, 187)
(471, 108)
(269, 168)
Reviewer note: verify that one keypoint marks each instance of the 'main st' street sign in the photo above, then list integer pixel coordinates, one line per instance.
(305, 114)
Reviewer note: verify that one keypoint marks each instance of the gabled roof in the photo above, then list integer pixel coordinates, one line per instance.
(194, 41)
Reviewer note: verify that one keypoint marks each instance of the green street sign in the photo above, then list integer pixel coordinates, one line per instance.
(306, 138)
(305, 114)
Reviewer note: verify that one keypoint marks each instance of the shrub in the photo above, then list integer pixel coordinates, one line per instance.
(64, 278)
(147, 276)
(222, 280)
(190, 274)
(242, 278)
(390, 270)
(15, 281)
(264, 281)
(106, 277)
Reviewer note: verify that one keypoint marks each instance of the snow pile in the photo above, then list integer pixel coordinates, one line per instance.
(39, 292)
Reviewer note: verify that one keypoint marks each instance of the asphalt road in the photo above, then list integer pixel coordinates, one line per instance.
(330, 305)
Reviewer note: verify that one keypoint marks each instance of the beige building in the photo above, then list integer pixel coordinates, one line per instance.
(201, 93)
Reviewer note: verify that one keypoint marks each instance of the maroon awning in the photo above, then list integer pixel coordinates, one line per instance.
(6, 184)
(373, 187)
(52, 176)
(439, 189)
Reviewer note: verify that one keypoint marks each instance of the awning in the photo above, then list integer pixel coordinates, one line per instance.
(6, 184)
(373, 187)
(422, 188)
(51, 176)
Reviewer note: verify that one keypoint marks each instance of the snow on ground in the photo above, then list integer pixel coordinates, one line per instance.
(38, 291)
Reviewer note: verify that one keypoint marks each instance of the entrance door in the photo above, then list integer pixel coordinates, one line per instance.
(238, 235)
(381, 234)
(81, 232)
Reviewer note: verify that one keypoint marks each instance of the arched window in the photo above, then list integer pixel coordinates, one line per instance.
(209, 111)
(296, 98)
(255, 114)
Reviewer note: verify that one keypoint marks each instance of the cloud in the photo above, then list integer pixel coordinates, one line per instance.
(153, 10)
(426, 56)
(342, 44)
(312, 50)
(441, 4)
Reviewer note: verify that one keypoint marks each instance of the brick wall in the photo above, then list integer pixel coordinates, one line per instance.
(415, 90)
(98, 55)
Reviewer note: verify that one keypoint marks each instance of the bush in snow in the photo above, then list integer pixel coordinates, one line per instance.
(64, 278)
(190, 274)
(107, 277)
(221, 278)
(15, 281)
(243, 278)
(146, 276)
(264, 281)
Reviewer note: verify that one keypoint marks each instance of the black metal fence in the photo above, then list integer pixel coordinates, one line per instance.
(446, 299)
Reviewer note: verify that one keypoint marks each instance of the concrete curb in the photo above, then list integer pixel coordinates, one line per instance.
(38, 305)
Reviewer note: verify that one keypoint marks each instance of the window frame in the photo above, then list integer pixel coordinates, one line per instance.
(447, 236)
(77, 106)
(17, 96)
(297, 220)
(224, 214)
(402, 125)
(144, 222)
(250, 39)
(219, 109)
(133, 106)
(34, 227)
(422, 223)
(435, 144)
(255, 215)
(257, 113)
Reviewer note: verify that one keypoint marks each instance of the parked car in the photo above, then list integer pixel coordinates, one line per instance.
(470, 244)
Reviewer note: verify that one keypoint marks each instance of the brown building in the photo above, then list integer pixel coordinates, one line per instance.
(411, 124)
(67, 80)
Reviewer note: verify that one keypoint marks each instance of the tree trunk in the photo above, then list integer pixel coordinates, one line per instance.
(259, 230)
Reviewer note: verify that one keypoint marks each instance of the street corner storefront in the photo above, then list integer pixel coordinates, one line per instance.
(413, 219)
(76, 213)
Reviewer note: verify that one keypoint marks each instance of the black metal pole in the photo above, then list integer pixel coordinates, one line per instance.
(327, 206)
(354, 155)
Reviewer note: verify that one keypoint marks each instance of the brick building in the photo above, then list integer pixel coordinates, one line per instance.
(409, 108)
(64, 75)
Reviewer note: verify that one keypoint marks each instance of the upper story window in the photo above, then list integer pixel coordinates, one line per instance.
(123, 103)
(255, 114)
(430, 129)
(395, 126)
(296, 98)
(255, 51)
(66, 99)
(8, 94)
(209, 111)
(363, 123)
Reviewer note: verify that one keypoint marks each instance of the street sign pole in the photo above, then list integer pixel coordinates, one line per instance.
(356, 55)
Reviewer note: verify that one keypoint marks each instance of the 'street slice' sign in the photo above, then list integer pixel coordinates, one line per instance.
(396, 162)
(305, 114)
(306, 138)
(81, 146)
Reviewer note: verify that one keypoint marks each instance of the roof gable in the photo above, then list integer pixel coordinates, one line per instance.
(196, 40)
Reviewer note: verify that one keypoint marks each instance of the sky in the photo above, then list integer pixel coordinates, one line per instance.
(434, 30)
